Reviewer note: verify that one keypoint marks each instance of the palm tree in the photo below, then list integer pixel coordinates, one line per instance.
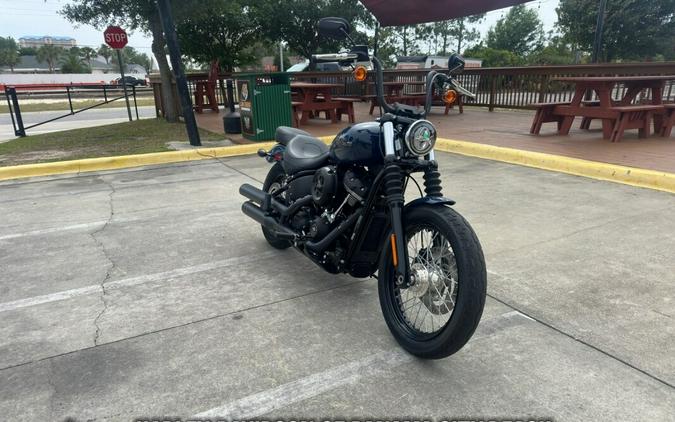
(88, 53)
(50, 54)
(73, 62)
(105, 52)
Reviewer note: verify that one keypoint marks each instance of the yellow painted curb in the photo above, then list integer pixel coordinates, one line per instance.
(128, 161)
(643, 178)
(602, 171)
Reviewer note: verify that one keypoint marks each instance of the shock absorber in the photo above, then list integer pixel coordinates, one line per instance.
(393, 189)
(432, 181)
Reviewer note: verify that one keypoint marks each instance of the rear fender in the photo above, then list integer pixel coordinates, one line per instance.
(276, 153)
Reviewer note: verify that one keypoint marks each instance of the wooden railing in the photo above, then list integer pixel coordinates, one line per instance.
(503, 87)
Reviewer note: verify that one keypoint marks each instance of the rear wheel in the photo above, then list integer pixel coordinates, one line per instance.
(274, 182)
(437, 313)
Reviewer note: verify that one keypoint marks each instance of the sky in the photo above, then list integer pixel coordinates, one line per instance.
(40, 17)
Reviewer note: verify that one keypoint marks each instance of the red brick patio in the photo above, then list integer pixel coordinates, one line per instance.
(510, 128)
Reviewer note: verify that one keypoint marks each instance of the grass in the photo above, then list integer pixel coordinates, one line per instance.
(137, 137)
(77, 105)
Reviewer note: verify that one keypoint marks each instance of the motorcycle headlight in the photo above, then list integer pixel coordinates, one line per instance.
(420, 137)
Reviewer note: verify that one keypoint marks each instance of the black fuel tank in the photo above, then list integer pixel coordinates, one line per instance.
(358, 144)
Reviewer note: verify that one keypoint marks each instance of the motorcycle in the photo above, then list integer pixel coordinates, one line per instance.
(344, 208)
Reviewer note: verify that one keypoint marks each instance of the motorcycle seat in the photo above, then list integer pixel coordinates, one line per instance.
(284, 134)
(304, 152)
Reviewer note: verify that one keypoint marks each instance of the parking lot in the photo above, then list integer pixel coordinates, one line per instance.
(147, 293)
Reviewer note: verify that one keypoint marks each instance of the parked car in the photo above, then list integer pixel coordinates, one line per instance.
(129, 81)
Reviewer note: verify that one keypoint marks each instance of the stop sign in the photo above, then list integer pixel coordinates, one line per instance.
(115, 37)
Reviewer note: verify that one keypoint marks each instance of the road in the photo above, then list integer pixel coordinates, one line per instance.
(146, 293)
(89, 118)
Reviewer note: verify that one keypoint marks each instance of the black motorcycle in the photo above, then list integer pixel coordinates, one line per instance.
(343, 206)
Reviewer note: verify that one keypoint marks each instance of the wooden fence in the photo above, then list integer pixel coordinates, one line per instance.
(502, 87)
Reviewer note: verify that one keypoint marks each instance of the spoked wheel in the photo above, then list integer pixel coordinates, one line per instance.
(437, 311)
(273, 182)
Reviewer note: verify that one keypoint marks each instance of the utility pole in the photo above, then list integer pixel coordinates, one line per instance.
(281, 55)
(599, 29)
(181, 83)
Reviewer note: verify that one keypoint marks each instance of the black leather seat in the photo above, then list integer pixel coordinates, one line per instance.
(285, 134)
(304, 152)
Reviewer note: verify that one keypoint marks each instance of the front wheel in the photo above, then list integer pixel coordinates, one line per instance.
(439, 309)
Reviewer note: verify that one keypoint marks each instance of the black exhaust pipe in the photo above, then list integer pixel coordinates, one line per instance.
(256, 213)
(267, 202)
(323, 244)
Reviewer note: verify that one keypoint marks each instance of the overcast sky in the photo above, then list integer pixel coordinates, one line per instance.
(40, 17)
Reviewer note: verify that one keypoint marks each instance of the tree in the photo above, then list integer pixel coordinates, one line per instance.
(9, 53)
(131, 56)
(221, 31)
(634, 29)
(294, 21)
(520, 32)
(105, 52)
(458, 30)
(50, 54)
(134, 15)
(493, 57)
(74, 62)
(87, 54)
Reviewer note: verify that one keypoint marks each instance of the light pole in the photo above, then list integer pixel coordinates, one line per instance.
(599, 29)
(181, 82)
(281, 55)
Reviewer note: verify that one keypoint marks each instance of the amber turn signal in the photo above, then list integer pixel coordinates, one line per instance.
(360, 73)
(450, 96)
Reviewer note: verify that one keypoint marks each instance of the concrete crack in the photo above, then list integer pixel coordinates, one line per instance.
(228, 166)
(109, 270)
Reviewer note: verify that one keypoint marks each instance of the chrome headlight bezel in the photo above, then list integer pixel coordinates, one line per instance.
(420, 137)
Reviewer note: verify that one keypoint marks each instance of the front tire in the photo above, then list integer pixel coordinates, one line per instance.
(274, 181)
(437, 314)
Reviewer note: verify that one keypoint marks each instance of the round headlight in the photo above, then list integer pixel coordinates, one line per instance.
(420, 137)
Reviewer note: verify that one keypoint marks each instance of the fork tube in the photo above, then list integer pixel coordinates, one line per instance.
(393, 187)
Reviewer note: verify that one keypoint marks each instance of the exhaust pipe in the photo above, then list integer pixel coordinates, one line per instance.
(256, 213)
(267, 202)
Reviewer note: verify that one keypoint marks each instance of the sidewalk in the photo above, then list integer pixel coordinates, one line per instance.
(510, 128)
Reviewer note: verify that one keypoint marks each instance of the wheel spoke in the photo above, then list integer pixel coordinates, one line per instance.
(428, 307)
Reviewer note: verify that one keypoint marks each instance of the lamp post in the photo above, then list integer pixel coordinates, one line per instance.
(181, 82)
(599, 28)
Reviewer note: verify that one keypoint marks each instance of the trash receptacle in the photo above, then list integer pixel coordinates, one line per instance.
(264, 104)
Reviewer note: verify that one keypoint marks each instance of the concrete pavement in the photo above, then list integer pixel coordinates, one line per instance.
(146, 292)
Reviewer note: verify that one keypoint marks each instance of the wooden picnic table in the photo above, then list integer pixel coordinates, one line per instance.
(606, 109)
(316, 97)
(393, 91)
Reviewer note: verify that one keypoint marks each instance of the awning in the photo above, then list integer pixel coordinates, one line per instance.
(405, 12)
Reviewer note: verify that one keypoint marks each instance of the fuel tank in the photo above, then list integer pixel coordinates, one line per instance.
(359, 144)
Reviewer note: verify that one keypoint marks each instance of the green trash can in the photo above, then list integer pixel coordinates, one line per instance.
(264, 104)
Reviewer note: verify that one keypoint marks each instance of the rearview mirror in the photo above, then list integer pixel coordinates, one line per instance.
(336, 28)
(455, 63)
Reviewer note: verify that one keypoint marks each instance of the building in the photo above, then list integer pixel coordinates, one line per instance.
(31, 41)
(431, 62)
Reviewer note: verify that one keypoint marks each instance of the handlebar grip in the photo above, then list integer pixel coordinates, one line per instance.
(334, 57)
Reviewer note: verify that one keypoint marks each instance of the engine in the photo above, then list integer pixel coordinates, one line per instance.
(335, 194)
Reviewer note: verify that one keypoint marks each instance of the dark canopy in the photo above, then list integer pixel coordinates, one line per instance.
(405, 12)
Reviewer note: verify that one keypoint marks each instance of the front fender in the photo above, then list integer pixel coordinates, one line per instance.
(429, 200)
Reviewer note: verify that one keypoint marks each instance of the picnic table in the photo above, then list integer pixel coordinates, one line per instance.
(393, 91)
(616, 115)
(313, 98)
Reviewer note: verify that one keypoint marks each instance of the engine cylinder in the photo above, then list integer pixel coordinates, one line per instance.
(324, 185)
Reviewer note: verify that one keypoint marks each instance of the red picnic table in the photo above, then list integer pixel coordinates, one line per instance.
(616, 115)
(315, 97)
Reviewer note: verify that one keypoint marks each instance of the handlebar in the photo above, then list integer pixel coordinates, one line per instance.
(336, 57)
